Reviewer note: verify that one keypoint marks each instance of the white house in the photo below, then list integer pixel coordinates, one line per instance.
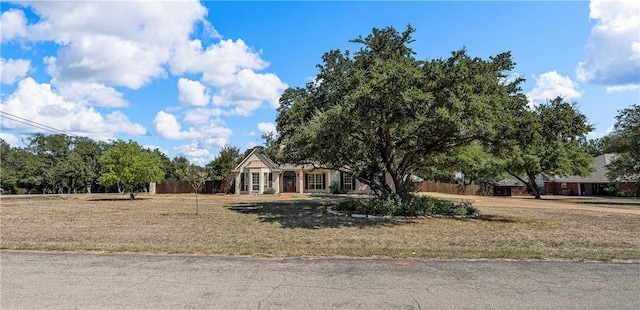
(258, 174)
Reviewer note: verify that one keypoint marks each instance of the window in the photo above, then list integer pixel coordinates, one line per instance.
(563, 185)
(347, 181)
(315, 181)
(255, 181)
(268, 180)
(243, 186)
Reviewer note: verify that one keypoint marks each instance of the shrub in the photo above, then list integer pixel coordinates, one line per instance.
(408, 206)
(269, 191)
(350, 206)
(9, 187)
(334, 188)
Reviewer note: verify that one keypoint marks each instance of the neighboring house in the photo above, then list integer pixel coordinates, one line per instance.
(258, 174)
(593, 184)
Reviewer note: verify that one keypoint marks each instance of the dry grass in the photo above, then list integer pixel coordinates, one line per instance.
(299, 226)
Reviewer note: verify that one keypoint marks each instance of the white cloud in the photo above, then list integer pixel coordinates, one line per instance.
(93, 94)
(129, 52)
(613, 54)
(119, 122)
(192, 150)
(12, 70)
(267, 128)
(14, 24)
(551, 85)
(214, 134)
(11, 139)
(219, 62)
(230, 66)
(200, 115)
(168, 127)
(148, 38)
(192, 93)
(249, 91)
(41, 104)
(622, 88)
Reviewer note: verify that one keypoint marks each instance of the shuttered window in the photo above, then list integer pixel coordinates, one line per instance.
(348, 182)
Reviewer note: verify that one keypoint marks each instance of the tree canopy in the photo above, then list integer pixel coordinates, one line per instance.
(548, 140)
(127, 165)
(52, 164)
(625, 141)
(382, 114)
(220, 168)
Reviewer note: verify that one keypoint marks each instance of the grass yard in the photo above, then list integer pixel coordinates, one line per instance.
(299, 226)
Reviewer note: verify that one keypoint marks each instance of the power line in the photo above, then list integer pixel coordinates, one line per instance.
(31, 123)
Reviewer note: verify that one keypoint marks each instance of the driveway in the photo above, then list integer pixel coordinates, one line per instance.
(32, 280)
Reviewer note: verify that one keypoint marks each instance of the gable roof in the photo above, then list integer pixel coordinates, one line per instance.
(599, 176)
(264, 161)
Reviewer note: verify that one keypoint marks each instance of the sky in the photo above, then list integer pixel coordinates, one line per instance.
(189, 77)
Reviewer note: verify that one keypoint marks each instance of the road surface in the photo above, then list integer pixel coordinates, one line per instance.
(126, 281)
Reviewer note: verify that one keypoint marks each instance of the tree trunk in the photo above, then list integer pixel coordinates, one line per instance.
(533, 186)
(400, 186)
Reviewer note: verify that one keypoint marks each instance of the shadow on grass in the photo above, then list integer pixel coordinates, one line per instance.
(117, 199)
(627, 203)
(491, 218)
(308, 215)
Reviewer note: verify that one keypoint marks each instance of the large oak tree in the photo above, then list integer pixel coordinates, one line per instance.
(380, 113)
(549, 140)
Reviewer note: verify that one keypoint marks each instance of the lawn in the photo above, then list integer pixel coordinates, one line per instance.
(299, 226)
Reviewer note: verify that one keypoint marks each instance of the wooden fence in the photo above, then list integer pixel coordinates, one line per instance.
(183, 187)
(459, 189)
(456, 189)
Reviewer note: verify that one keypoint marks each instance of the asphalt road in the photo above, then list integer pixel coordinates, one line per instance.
(89, 281)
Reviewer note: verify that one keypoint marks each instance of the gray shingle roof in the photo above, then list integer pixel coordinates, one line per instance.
(599, 176)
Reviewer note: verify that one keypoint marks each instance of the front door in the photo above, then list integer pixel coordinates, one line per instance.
(289, 182)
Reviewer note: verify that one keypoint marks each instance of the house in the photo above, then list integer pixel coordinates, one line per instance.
(258, 174)
(593, 184)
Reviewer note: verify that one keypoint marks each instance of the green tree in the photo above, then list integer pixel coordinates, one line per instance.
(595, 147)
(8, 168)
(625, 141)
(476, 163)
(166, 165)
(220, 168)
(81, 168)
(128, 165)
(547, 141)
(52, 152)
(181, 168)
(384, 114)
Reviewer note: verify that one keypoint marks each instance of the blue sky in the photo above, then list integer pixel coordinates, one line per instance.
(189, 77)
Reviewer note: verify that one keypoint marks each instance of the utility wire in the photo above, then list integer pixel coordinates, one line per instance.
(31, 123)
